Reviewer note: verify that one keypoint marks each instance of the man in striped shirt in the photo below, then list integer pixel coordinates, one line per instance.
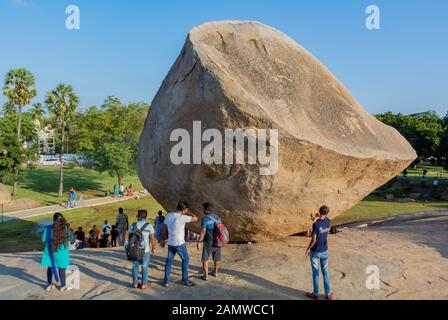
(122, 223)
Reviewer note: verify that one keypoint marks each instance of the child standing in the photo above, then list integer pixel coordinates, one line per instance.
(114, 235)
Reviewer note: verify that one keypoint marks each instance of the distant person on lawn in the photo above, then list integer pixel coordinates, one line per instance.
(56, 255)
(208, 223)
(423, 181)
(150, 246)
(122, 189)
(116, 191)
(160, 221)
(318, 252)
(122, 223)
(174, 231)
(435, 184)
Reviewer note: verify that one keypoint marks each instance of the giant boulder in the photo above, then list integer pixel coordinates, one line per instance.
(235, 74)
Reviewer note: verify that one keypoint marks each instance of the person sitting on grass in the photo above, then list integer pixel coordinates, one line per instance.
(56, 255)
(93, 237)
(318, 252)
(80, 237)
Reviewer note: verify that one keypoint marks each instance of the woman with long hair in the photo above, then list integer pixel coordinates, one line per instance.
(56, 256)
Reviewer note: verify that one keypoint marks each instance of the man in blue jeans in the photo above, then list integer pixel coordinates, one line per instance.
(174, 231)
(318, 252)
(149, 239)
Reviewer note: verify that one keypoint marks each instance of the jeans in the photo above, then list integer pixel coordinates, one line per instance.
(61, 273)
(145, 265)
(315, 257)
(183, 254)
(121, 236)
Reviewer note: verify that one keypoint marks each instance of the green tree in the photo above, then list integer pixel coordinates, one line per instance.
(37, 112)
(19, 88)
(12, 153)
(422, 130)
(62, 104)
(110, 135)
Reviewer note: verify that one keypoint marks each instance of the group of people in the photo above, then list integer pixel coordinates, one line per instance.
(170, 231)
(121, 191)
(73, 200)
(435, 183)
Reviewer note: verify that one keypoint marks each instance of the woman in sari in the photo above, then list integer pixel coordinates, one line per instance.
(56, 256)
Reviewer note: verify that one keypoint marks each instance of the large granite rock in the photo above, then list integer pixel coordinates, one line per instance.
(5, 195)
(235, 74)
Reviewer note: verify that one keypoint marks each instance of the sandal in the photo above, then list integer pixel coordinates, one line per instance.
(50, 287)
(62, 289)
(330, 296)
(145, 286)
(312, 296)
(204, 277)
(214, 274)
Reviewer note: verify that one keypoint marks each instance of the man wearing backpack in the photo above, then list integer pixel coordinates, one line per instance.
(174, 231)
(141, 236)
(208, 232)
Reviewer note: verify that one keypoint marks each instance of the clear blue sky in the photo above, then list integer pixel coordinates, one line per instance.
(125, 48)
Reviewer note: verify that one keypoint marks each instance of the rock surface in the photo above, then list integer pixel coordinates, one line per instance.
(5, 195)
(235, 74)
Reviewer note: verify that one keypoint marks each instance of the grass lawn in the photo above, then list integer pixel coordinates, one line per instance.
(18, 235)
(42, 184)
(375, 208)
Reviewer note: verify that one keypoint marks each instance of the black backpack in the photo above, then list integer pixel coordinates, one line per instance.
(136, 245)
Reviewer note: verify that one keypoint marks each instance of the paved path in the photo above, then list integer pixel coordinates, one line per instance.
(28, 213)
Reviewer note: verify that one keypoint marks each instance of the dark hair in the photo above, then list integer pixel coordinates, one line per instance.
(120, 210)
(160, 213)
(182, 205)
(60, 231)
(142, 214)
(207, 206)
(324, 210)
(79, 228)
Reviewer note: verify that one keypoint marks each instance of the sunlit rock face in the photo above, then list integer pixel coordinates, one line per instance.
(234, 74)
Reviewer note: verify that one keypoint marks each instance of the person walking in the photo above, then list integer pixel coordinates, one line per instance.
(173, 231)
(122, 223)
(160, 220)
(147, 230)
(318, 252)
(208, 224)
(56, 255)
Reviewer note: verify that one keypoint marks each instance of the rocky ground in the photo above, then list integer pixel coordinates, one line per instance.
(410, 252)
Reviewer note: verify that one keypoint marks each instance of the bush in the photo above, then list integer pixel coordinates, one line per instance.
(71, 165)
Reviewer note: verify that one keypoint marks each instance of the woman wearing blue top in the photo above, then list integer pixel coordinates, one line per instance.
(116, 191)
(56, 256)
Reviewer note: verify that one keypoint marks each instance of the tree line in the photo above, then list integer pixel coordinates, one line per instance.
(108, 134)
(427, 132)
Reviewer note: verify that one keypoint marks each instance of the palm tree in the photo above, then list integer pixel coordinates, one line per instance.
(62, 103)
(37, 112)
(19, 88)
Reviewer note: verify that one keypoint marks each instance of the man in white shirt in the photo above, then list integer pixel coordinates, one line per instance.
(174, 231)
